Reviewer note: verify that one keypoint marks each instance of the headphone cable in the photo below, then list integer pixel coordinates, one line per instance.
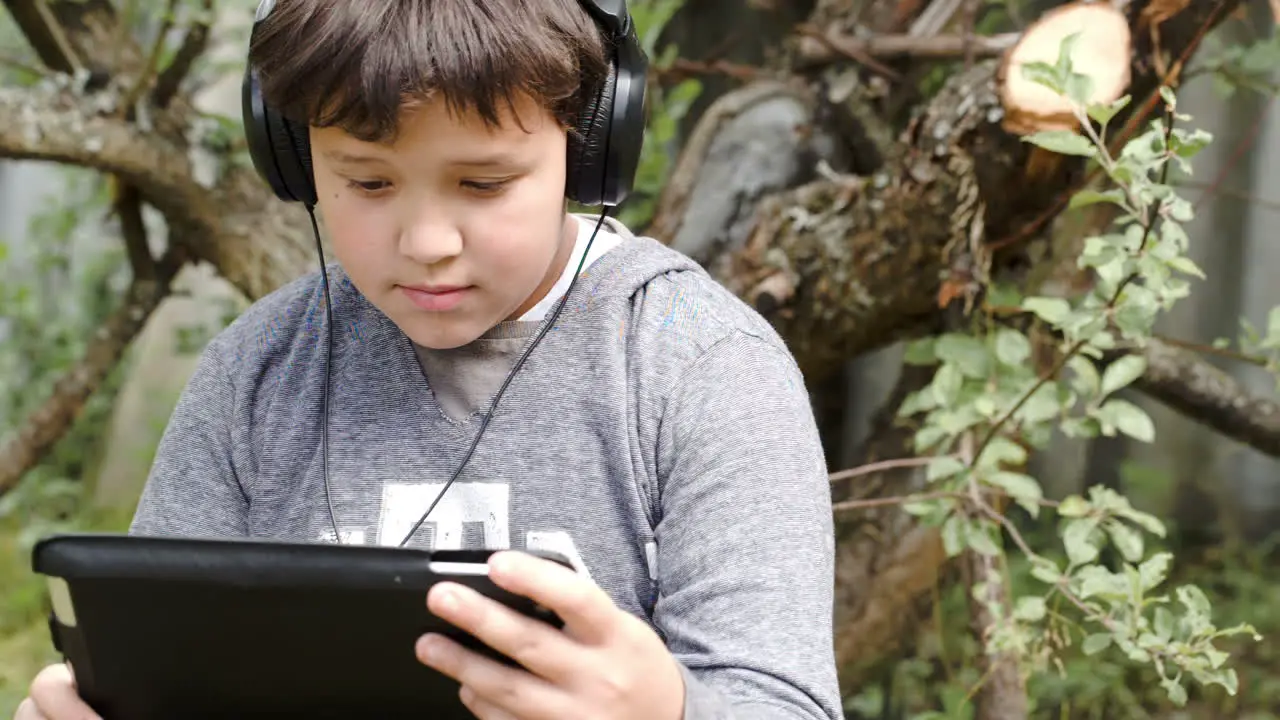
(493, 405)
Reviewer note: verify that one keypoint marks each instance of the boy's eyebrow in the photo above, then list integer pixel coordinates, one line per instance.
(491, 160)
(500, 159)
(340, 156)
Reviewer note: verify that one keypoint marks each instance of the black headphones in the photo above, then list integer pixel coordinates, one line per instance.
(602, 160)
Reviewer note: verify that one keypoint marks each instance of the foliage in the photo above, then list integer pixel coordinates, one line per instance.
(55, 290)
(987, 403)
(937, 683)
(1244, 66)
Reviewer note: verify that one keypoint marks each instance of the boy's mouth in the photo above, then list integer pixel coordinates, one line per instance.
(435, 298)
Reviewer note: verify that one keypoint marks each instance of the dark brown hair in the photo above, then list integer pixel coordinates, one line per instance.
(358, 64)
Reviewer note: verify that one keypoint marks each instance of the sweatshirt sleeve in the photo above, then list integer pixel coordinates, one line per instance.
(193, 489)
(745, 544)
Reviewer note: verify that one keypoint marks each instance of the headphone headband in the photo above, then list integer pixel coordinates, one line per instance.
(603, 153)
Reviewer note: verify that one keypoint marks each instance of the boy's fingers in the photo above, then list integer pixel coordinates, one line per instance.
(537, 646)
(54, 694)
(27, 710)
(587, 611)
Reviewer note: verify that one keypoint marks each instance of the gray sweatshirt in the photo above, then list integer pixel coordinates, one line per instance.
(660, 436)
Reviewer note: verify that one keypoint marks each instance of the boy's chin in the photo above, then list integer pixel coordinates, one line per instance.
(444, 335)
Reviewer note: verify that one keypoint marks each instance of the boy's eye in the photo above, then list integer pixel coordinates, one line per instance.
(485, 186)
(367, 186)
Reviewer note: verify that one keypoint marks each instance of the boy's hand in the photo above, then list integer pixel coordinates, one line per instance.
(54, 697)
(605, 664)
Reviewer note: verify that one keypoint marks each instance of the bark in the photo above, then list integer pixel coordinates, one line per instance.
(1002, 694)
(887, 565)
(1188, 384)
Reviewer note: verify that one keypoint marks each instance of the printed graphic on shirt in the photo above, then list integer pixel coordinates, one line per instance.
(470, 515)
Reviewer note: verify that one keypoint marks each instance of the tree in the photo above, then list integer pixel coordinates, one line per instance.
(908, 191)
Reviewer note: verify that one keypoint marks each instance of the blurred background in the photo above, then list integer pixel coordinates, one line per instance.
(66, 262)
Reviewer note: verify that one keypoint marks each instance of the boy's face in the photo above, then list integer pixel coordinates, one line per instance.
(454, 227)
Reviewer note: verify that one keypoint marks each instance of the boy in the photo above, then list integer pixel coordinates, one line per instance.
(660, 435)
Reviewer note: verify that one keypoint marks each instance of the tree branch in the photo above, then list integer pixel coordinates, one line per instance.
(148, 71)
(59, 124)
(49, 422)
(45, 34)
(193, 46)
(834, 46)
(128, 207)
(1202, 392)
(845, 265)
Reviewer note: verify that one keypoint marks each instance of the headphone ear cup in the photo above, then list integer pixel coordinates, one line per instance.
(280, 149)
(586, 167)
(295, 152)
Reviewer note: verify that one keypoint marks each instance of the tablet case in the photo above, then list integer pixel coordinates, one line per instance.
(176, 628)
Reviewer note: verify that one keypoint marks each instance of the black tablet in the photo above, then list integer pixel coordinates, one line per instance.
(177, 628)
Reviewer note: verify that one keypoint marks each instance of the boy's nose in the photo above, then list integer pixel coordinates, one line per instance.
(429, 243)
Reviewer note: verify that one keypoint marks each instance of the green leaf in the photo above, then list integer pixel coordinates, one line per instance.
(1169, 98)
(1063, 142)
(1273, 323)
(946, 385)
(1002, 450)
(1189, 144)
(985, 406)
(1180, 210)
(1093, 197)
(1095, 581)
(1022, 488)
(920, 401)
(920, 352)
(968, 353)
(1175, 235)
(1074, 506)
(943, 467)
(1129, 419)
(1193, 598)
(1164, 624)
(1012, 347)
(920, 508)
(1043, 405)
(1046, 571)
(979, 537)
(1103, 113)
(1076, 539)
(1079, 88)
(1097, 251)
(1122, 372)
(1042, 73)
(1127, 540)
(1003, 295)
(1177, 693)
(928, 437)
(1096, 643)
(1050, 309)
(1146, 521)
(1030, 609)
(1230, 681)
(1085, 377)
(1111, 273)
(1186, 266)
(1065, 48)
